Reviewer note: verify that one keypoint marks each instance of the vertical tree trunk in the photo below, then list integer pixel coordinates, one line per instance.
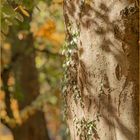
(101, 79)
(35, 127)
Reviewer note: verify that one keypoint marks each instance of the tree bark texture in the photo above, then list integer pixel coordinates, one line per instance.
(106, 69)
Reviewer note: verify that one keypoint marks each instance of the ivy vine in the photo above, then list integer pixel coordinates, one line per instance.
(70, 83)
(86, 128)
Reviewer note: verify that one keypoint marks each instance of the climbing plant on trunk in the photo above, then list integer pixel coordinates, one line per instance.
(100, 86)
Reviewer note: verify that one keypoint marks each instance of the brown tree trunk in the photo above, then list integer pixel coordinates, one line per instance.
(101, 79)
(35, 127)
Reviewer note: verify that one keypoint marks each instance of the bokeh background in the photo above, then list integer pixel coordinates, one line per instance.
(32, 39)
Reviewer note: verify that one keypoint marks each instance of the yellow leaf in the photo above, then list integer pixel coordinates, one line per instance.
(24, 11)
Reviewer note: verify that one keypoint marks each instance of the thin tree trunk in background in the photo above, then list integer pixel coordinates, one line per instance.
(35, 127)
(103, 70)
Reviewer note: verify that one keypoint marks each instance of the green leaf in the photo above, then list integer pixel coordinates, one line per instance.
(8, 10)
(9, 22)
(4, 27)
(24, 12)
(19, 17)
(53, 100)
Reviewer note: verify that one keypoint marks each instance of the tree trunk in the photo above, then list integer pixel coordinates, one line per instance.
(101, 79)
(35, 127)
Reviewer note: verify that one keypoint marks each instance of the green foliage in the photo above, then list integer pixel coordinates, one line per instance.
(14, 11)
(86, 128)
(19, 19)
(70, 83)
(9, 16)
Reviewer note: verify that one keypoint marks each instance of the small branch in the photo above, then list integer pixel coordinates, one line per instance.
(28, 111)
(48, 52)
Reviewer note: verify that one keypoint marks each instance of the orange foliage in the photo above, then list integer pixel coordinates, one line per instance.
(2, 95)
(15, 110)
(48, 30)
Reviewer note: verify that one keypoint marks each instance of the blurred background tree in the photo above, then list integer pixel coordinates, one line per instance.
(32, 35)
